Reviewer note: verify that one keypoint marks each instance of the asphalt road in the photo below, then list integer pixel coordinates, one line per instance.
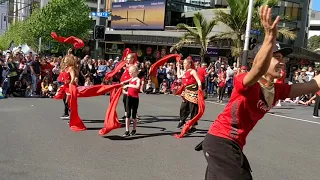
(36, 145)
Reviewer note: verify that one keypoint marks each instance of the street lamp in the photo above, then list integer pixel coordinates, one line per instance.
(247, 36)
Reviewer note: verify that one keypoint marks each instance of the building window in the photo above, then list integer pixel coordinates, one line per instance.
(313, 15)
(293, 11)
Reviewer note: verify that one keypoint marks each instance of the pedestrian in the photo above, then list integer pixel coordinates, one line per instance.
(255, 93)
(132, 92)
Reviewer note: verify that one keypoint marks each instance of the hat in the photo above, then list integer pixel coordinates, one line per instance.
(276, 49)
(303, 70)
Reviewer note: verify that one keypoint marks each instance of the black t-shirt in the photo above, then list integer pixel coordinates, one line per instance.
(36, 66)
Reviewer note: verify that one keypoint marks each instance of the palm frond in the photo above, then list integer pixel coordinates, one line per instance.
(287, 34)
(181, 43)
(187, 28)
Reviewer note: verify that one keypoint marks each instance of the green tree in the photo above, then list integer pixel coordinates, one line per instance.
(65, 17)
(200, 34)
(314, 42)
(235, 17)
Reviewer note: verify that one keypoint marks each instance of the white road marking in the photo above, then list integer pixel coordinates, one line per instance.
(287, 117)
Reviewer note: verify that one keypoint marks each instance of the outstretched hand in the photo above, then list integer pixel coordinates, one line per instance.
(270, 28)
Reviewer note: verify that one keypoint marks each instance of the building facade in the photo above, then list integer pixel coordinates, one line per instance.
(314, 29)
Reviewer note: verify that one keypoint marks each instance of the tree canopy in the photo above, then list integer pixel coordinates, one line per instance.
(65, 17)
(314, 42)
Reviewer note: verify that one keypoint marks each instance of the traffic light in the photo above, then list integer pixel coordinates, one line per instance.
(99, 32)
(252, 43)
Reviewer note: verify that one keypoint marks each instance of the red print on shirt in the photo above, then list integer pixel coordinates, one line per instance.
(245, 108)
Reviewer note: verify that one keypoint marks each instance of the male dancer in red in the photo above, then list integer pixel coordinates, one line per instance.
(255, 93)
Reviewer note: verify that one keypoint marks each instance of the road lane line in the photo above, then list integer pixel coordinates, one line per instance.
(287, 117)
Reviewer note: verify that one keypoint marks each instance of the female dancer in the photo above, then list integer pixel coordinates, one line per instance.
(125, 78)
(68, 75)
(255, 93)
(192, 83)
(132, 103)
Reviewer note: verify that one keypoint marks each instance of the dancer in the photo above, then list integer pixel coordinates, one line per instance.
(132, 102)
(255, 93)
(125, 78)
(189, 104)
(68, 76)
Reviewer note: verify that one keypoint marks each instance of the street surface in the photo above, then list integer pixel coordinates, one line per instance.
(35, 144)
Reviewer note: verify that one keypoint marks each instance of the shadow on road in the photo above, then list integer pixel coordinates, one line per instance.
(139, 136)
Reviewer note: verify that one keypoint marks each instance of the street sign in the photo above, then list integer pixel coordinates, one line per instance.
(255, 32)
(101, 14)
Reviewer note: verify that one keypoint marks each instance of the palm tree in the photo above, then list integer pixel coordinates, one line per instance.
(235, 17)
(200, 34)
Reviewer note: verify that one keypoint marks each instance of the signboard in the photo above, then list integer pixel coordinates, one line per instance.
(139, 15)
(213, 52)
(101, 14)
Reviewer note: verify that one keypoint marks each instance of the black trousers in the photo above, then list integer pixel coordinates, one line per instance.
(221, 91)
(316, 106)
(66, 107)
(187, 108)
(132, 107)
(124, 100)
(226, 160)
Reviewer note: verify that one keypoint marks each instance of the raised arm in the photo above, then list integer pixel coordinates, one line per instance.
(263, 58)
(305, 88)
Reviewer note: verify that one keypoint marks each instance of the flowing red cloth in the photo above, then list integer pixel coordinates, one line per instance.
(76, 123)
(121, 64)
(201, 105)
(77, 42)
(61, 93)
(111, 120)
(154, 68)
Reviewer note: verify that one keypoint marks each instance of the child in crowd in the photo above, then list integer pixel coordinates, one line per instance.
(163, 87)
(150, 87)
(133, 89)
(88, 81)
(45, 87)
(53, 88)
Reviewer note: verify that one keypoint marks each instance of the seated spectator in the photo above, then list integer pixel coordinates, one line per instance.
(163, 87)
(16, 90)
(25, 87)
(45, 87)
(88, 81)
(150, 87)
(53, 88)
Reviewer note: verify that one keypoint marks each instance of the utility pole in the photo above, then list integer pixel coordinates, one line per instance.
(247, 36)
(40, 40)
(98, 23)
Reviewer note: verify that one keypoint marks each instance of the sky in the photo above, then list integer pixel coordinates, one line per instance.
(316, 5)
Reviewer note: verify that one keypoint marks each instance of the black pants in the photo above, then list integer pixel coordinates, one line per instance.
(132, 107)
(12, 82)
(124, 100)
(221, 91)
(316, 106)
(226, 160)
(187, 108)
(66, 107)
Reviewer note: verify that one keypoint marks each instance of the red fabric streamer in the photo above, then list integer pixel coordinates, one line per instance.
(111, 120)
(77, 42)
(154, 68)
(76, 123)
(121, 64)
(201, 104)
(61, 93)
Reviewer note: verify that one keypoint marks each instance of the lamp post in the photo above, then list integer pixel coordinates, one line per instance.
(98, 22)
(40, 41)
(247, 36)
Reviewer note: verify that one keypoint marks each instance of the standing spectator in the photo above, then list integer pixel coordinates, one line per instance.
(310, 73)
(170, 70)
(221, 83)
(161, 74)
(35, 74)
(229, 80)
(12, 74)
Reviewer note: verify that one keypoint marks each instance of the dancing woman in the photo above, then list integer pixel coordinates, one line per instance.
(254, 94)
(192, 83)
(68, 75)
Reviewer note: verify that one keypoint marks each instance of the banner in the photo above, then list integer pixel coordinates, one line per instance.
(142, 15)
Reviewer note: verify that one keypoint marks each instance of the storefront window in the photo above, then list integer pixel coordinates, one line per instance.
(293, 11)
